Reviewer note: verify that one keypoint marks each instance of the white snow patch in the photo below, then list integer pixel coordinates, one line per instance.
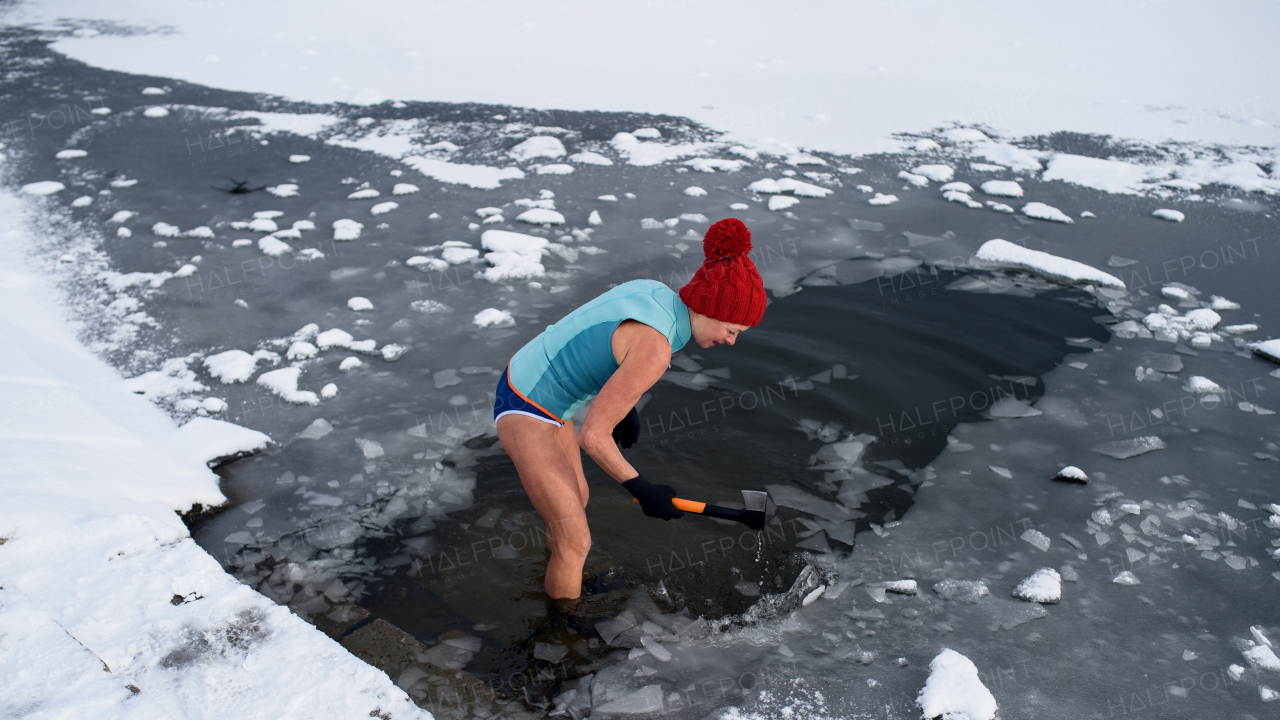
(1113, 176)
(954, 691)
(782, 202)
(1040, 211)
(1043, 586)
(297, 159)
(208, 439)
(70, 154)
(1004, 254)
(493, 318)
(284, 382)
(1170, 215)
(936, 173)
(695, 191)
(540, 216)
(346, 229)
(359, 304)
(284, 190)
(156, 112)
(538, 146)
(44, 187)
(1002, 188)
(590, 158)
(383, 208)
(880, 199)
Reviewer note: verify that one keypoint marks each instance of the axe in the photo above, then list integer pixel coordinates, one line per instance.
(752, 515)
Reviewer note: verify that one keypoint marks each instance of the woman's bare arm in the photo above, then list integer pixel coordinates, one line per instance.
(643, 354)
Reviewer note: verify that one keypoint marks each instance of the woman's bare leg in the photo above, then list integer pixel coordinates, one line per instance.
(552, 477)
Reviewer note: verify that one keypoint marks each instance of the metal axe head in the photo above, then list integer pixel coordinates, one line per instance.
(755, 500)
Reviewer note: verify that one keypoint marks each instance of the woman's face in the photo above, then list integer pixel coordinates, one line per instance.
(708, 332)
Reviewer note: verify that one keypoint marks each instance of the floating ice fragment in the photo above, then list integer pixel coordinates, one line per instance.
(954, 691)
(1200, 385)
(284, 382)
(695, 191)
(349, 364)
(70, 154)
(1037, 539)
(1269, 349)
(1001, 253)
(540, 216)
(1126, 578)
(551, 652)
(1000, 207)
(1043, 586)
(346, 230)
(901, 587)
(329, 391)
(936, 173)
(1072, 474)
(880, 199)
(968, 591)
(1170, 215)
(296, 159)
(273, 246)
(1001, 471)
(365, 194)
(359, 304)
(538, 146)
(1002, 188)
(655, 649)
(383, 208)
(590, 158)
(769, 186)
(156, 112)
(1124, 449)
(1009, 407)
(1262, 657)
(1040, 211)
(404, 189)
(913, 179)
(493, 318)
(284, 190)
(782, 202)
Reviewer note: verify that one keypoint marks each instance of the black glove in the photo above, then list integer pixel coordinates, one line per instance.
(655, 500)
(627, 431)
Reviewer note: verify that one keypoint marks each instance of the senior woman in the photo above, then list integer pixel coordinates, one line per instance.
(613, 348)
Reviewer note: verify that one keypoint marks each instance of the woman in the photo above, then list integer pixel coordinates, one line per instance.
(614, 348)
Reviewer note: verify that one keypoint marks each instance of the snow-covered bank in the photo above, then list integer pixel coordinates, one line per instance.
(98, 572)
(807, 76)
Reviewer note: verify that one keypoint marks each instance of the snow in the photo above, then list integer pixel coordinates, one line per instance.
(936, 173)
(493, 318)
(913, 179)
(695, 191)
(209, 439)
(44, 187)
(82, 201)
(1269, 349)
(652, 153)
(954, 691)
(1200, 385)
(284, 190)
(404, 189)
(1263, 657)
(263, 225)
(297, 159)
(359, 304)
(963, 187)
(1041, 211)
(539, 146)
(346, 229)
(458, 255)
(880, 199)
(1113, 176)
(284, 382)
(1170, 215)
(513, 256)
(1042, 586)
(366, 194)
(482, 177)
(590, 158)
(1071, 473)
(1004, 254)
(92, 490)
(273, 246)
(156, 112)
(70, 154)
(383, 208)
(782, 202)
(540, 216)
(594, 218)
(788, 185)
(232, 366)
(1002, 188)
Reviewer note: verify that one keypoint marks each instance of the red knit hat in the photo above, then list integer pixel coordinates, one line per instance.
(727, 287)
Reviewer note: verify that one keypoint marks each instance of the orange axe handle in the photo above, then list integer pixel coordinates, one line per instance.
(685, 505)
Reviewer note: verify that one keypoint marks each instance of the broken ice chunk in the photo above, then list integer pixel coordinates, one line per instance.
(1200, 385)
(1072, 474)
(954, 690)
(1037, 539)
(1069, 574)
(1126, 578)
(1262, 657)
(1002, 472)
(968, 591)
(901, 587)
(1043, 586)
(552, 653)
(1124, 449)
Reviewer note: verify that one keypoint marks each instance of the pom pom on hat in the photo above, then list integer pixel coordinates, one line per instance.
(727, 237)
(727, 287)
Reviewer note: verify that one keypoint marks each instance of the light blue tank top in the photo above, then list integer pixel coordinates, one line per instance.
(567, 364)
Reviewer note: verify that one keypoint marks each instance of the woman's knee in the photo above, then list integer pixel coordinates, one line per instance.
(574, 541)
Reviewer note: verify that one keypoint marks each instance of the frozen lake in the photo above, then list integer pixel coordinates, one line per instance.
(906, 407)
